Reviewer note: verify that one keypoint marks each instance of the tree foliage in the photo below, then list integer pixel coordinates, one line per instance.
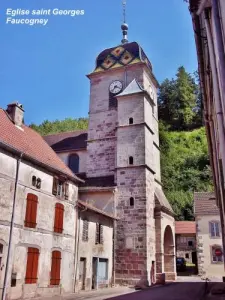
(57, 126)
(180, 101)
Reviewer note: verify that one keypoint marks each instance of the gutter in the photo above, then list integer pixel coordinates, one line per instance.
(27, 157)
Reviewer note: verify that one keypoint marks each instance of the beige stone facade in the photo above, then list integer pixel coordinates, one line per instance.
(42, 237)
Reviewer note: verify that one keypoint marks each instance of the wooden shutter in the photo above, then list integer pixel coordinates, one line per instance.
(31, 211)
(59, 216)
(66, 191)
(32, 265)
(97, 234)
(55, 269)
(101, 234)
(54, 186)
(85, 230)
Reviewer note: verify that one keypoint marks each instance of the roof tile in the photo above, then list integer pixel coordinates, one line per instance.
(185, 227)
(205, 204)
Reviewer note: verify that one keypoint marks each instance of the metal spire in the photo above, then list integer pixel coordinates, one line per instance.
(124, 26)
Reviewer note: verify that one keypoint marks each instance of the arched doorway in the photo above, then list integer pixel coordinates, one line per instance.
(168, 252)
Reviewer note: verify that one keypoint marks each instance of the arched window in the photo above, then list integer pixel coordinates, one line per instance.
(74, 163)
(55, 268)
(131, 201)
(34, 180)
(131, 160)
(31, 211)
(131, 121)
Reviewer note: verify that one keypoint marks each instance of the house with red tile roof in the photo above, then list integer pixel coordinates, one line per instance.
(38, 195)
(43, 225)
(185, 233)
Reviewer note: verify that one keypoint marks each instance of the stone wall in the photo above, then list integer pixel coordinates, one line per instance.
(204, 243)
(41, 237)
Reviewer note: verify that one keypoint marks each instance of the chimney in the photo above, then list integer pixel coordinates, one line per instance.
(16, 112)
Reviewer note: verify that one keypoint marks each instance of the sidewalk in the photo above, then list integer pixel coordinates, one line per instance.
(100, 294)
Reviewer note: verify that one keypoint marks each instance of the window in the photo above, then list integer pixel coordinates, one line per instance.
(99, 234)
(190, 243)
(32, 265)
(217, 254)
(103, 269)
(85, 230)
(1, 256)
(112, 101)
(131, 160)
(59, 215)
(31, 211)
(214, 229)
(55, 268)
(34, 180)
(187, 255)
(131, 201)
(74, 163)
(60, 188)
(131, 121)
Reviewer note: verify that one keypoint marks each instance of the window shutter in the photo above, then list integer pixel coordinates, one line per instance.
(85, 230)
(217, 230)
(59, 216)
(97, 234)
(32, 265)
(31, 211)
(66, 191)
(101, 234)
(54, 187)
(55, 268)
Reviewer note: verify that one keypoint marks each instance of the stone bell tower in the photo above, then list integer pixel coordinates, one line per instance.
(123, 144)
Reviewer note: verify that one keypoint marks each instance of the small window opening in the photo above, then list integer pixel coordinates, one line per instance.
(131, 160)
(187, 255)
(38, 183)
(34, 180)
(131, 121)
(190, 243)
(131, 201)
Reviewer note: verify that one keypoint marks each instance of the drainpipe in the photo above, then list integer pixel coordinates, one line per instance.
(114, 260)
(220, 47)
(77, 242)
(218, 106)
(4, 290)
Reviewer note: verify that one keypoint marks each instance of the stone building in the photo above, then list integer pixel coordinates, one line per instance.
(209, 235)
(208, 17)
(119, 158)
(42, 256)
(185, 233)
(95, 250)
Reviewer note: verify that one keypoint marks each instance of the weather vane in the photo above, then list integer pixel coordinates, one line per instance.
(124, 26)
(124, 10)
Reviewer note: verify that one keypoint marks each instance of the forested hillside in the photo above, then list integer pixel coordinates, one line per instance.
(184, 153)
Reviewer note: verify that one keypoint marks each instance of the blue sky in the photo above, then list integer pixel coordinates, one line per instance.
(45, 67)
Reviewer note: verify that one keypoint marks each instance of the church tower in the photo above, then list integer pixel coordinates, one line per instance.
(123, 146)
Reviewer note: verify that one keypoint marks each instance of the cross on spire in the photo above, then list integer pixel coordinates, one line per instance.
(124, 26)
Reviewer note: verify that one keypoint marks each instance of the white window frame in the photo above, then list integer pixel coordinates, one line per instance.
(214, 229)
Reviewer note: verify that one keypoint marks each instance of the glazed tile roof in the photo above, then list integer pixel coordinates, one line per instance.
(185, 227)
(205, 204)
(64, 141)
(97, 210)
(26, 140)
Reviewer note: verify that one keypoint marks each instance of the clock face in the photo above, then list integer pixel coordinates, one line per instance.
(116, 87)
